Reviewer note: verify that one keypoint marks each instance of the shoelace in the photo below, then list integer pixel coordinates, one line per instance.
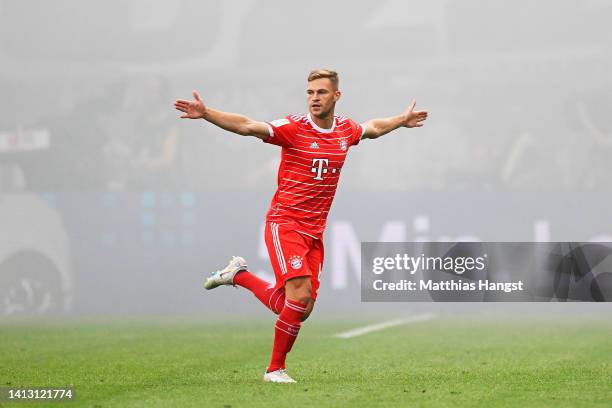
(212, 273)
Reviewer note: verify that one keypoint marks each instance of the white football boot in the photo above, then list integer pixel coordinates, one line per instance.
(226, 276)
(278, 376)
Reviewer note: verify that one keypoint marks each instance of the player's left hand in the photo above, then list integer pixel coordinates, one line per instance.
(414, 118)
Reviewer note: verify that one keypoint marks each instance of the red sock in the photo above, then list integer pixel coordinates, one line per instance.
(285, 332)
(273, 299)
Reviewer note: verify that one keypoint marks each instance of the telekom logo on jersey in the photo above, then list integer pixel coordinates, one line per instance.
(319, 166)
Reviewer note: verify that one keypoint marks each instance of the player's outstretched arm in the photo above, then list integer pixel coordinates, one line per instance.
(231, 122)
(410, 118)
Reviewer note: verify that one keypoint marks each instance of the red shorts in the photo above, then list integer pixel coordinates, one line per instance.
(293, 254)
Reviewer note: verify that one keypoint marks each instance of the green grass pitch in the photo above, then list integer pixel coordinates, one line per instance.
(445, 362)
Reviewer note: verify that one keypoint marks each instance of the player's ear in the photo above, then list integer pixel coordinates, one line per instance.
(337, 95)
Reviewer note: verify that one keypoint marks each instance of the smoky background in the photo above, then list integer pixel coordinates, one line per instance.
(111, 205)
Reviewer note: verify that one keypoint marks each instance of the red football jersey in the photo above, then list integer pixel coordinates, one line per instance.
(309, 171)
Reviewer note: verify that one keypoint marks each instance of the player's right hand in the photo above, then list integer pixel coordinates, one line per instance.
(192, 109)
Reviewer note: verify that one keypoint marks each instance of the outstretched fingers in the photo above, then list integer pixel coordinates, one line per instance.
(181, 107)
(421, 115)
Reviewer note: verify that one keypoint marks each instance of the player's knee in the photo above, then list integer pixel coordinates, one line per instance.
(305, 294)
(303, 297)
(299, 289)
(309, 308)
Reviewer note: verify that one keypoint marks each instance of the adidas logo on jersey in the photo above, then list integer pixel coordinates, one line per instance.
(314, 145)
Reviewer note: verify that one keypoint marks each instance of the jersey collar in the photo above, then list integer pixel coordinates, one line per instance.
(314, 125)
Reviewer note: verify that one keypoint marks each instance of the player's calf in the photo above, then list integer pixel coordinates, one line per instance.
(286, 331)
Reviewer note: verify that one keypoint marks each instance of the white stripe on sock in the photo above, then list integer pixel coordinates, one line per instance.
(291, 334)
(290, 325)
(271, 296)
(276, 303)
(297, 309)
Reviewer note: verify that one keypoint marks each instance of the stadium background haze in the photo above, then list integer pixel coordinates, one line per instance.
(112, 206)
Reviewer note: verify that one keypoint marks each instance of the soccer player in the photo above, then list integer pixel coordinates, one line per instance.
(314, 147)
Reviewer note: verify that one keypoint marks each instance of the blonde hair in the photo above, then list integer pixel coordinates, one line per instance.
(325, 73)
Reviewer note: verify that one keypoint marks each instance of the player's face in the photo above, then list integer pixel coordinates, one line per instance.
(322, 97)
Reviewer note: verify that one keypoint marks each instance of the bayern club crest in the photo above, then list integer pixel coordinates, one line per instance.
(342, 144)
(295, 261)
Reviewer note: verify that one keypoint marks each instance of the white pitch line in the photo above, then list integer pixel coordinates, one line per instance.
(360, 331)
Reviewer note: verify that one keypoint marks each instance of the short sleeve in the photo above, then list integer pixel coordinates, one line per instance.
(357, 132)
(282, 132)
